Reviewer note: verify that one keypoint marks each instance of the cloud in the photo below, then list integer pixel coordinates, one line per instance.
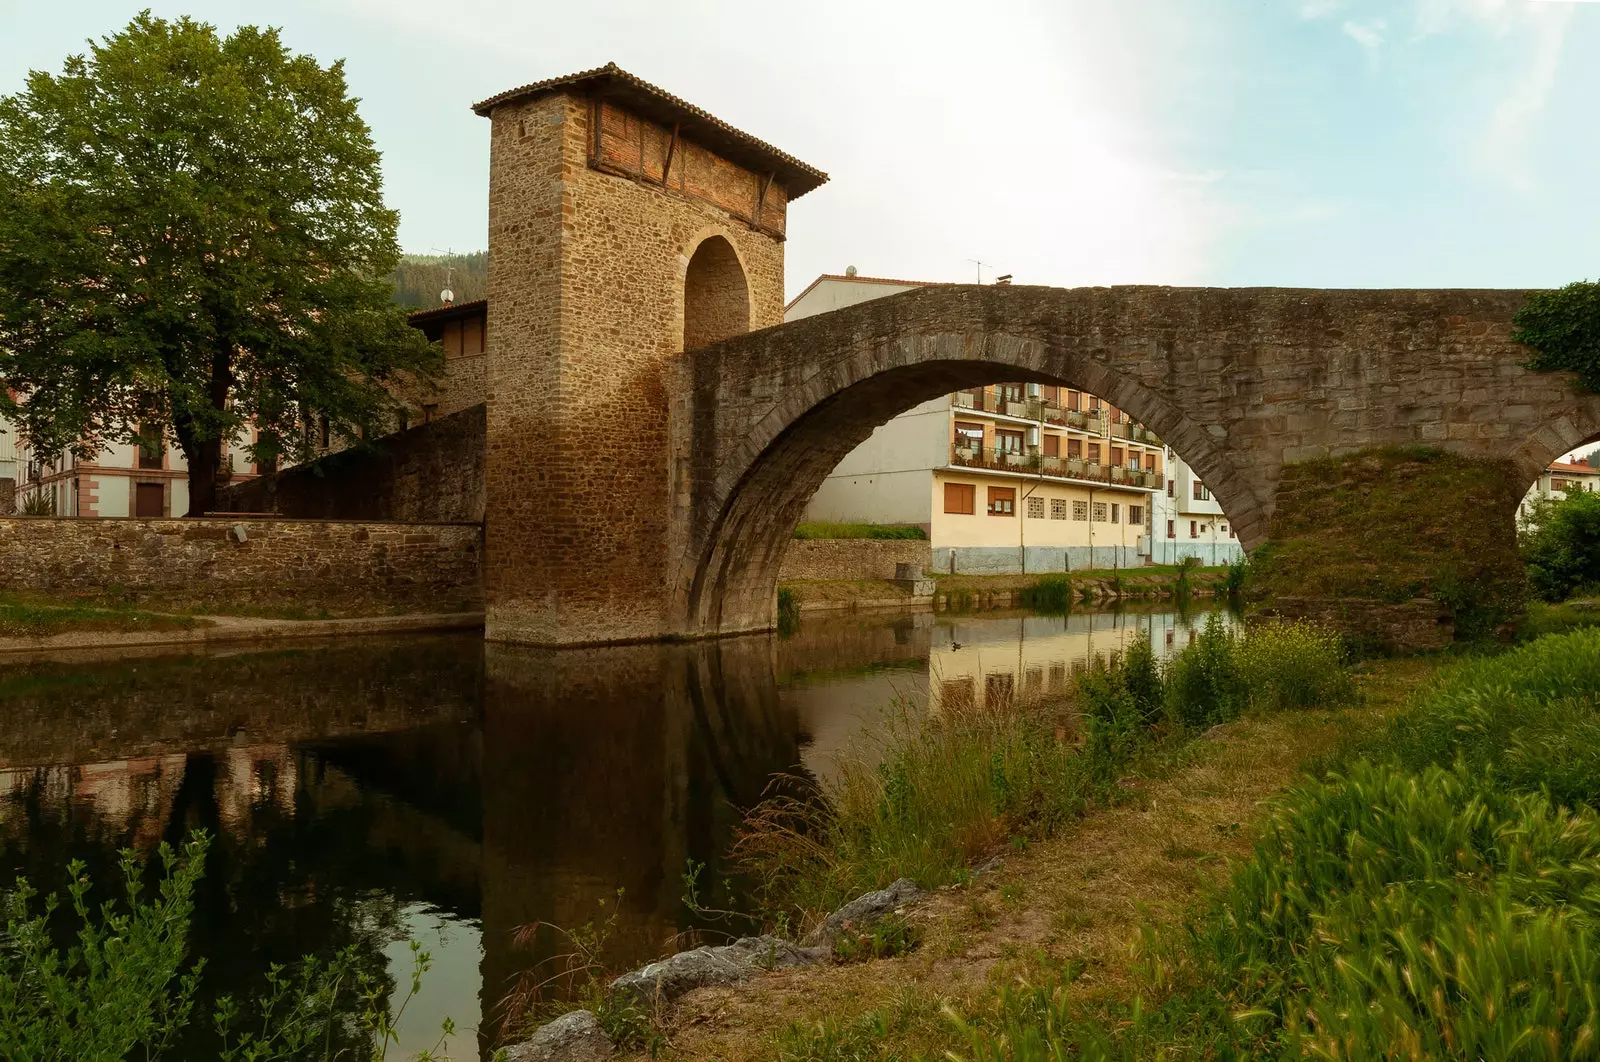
(1315, 9)
(1504, 146)
(1367, 34)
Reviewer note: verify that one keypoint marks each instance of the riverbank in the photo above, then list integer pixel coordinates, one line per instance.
(1075, 901)
(961, 592)
(126, 630)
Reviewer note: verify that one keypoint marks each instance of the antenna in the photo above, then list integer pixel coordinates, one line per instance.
(448, 295)
(980, 264)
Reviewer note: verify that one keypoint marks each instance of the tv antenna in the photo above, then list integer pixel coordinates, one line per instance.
(448, 295)
(980, 264)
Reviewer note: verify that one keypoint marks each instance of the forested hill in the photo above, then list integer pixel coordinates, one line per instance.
(420, 278)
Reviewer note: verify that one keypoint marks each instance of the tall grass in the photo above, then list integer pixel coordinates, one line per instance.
(1051, 594)
(825, 529)
(1439, 899)
(935, 793)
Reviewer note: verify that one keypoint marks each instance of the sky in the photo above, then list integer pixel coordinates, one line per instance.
(1322, 143)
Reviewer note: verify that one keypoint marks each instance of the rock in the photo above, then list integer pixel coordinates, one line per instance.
(574, 1037)
(863, 911)
(725, 964)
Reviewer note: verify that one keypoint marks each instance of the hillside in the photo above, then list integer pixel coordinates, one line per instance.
(420, 278)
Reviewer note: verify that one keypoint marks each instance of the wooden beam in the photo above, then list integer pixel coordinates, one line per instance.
(761, 201)
(672, 148)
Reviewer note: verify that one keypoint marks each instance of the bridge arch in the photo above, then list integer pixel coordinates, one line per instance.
(1239, 382)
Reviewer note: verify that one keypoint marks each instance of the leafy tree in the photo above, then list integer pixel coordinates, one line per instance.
(1559, 540)
(192, 235)
(1563, 328)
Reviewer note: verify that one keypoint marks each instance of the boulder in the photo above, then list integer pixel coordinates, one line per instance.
(862, 912)
(665, 981)
(573, 1037)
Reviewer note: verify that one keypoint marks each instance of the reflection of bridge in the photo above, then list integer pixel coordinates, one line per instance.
(636, 492)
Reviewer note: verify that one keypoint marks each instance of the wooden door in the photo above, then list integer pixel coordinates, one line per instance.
(147, 500)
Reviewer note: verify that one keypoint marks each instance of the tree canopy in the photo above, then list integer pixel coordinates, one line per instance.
(193, 235)
(1559, 539)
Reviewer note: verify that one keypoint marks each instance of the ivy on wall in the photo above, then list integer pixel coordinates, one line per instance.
(1563, 329)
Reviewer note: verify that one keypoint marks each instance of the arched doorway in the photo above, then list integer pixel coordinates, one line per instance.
(716, 299)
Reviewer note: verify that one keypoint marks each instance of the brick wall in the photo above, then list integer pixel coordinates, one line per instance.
(852, 558)
(431, 473)
(312, 564)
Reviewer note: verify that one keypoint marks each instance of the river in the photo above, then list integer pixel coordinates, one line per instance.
(366, 792)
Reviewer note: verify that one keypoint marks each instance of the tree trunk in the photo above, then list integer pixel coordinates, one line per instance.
(204, 457)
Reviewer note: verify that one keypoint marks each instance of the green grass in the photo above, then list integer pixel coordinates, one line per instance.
(937, 792)
(822, 529)
(1438, 897)
(28, 616)
(1543, 618)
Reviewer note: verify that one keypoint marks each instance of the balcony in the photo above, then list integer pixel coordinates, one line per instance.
(972, 455)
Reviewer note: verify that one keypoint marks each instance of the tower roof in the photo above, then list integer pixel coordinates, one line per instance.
(613, 82)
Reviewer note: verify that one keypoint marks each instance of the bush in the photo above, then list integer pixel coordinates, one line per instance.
(1049, 594)
(1234, 581)
(1559, 541)
(1204, 686)
(788, 611)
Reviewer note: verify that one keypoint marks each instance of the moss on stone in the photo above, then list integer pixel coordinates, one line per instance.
(1395, 525)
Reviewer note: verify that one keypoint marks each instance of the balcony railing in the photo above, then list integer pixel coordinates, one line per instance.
(998, 458)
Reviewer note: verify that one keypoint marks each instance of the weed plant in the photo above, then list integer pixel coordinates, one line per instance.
(126, 987)
(823, 529)
(1051, 594)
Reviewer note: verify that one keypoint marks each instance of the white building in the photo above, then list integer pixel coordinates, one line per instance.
(1557, 481)
(1188, 522)
(147, 479)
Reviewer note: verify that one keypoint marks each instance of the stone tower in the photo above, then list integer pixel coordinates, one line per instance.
(625, 226)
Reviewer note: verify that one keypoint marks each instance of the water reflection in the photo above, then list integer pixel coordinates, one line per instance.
(437, 788)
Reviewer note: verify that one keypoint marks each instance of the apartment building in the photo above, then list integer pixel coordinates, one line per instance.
(148, 478)
(1557, 481)
(1188, 522)
(1009, 478)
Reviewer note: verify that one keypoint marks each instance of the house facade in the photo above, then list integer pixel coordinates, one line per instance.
(1188, 522)
(1556, 482)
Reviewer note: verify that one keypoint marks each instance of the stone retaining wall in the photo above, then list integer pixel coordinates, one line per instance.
(851, 558)
(313, 564)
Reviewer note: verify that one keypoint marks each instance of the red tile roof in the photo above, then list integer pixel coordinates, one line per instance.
(435, 314)
(1568, 466)
(611, 81)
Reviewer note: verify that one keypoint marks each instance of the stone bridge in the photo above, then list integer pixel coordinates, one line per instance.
(653, 432)
(1239, 382)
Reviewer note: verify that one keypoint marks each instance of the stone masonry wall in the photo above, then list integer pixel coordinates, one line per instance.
(430, 473)
(586, 310)
(1239, 381)
(310, 564)
(852, 558)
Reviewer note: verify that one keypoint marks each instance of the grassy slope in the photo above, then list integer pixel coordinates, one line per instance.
(32, 616)
(1081, 897)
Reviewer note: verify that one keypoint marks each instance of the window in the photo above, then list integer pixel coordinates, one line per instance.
(1200, 492)
(1074, 401)
(1052, 446)
(1116, 512)
(1094, 403)
(1170, 491)
(1036, 508)
(267, 466)
(1230, 533)
(969, 434)
(1008, 441)
(1224, 527)
(1172, 529)
(1002, 501)
(1011, 392)
(1135, 514)
(1133, 461)
(1058, 508)
(1116, 455)
(1194, 529)
(1094, 453)
(959, 498)
(1080, 510)
(1099, 512)
(1075, 448)
(152, 448)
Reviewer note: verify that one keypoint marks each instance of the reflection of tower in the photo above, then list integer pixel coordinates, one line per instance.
(610, 768)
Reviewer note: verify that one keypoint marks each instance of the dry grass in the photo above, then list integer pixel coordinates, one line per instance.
(1076, 899)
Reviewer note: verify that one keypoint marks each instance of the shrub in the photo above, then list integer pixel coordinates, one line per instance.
(1238, 572)
(1204, 686)
(1049, 593)
(1284, 666)
(788, 611)
(1563, 329)
(1559, 541)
